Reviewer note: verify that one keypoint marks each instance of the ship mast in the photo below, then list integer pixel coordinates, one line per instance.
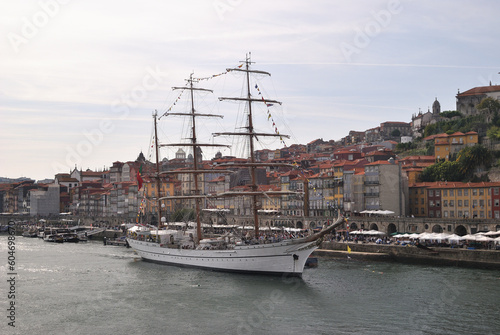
(252, 135)
(158, 186)
(196, 146)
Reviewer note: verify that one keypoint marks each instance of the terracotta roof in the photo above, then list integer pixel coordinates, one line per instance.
(383, 163)
(480, 90)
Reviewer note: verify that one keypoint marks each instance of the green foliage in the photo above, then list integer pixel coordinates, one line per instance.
(395, 133)
(471, 123)
(492, 105)
(471, 158)
(493, 132)
(401, 147)
(450, 114)
(442, 171)
(461, 169)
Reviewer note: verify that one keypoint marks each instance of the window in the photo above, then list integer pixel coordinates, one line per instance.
(438, 203)
(422, 201)
(452, 214)
(445, 193)
(466, 192)
(474, 203)
(495, 191)
(459, 193)
(422, 191)
(466, 203)
(431, 203)
(460, 214)
(481, 191)
(438, 193)
(481, 203)
(459, 203)
(497, 215)
(445, 214)
(474, 191)
(431, 193)
(497, 202)
(445, 203)
(452, 193)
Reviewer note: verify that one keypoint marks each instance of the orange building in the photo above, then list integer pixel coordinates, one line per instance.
(445, 146)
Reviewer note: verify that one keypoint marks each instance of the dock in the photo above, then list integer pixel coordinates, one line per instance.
(118, 242)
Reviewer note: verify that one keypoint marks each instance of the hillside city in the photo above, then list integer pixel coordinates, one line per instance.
(438, 165)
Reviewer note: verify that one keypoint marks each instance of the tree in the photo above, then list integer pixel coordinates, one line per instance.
(450, 114)
(492, 105)
(442, 171)
(470, 158)
(493, 132)
(395, 133)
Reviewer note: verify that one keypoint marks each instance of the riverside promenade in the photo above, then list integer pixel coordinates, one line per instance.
(486, 259)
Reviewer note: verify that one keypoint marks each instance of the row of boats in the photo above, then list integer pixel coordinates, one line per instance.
(57, 235)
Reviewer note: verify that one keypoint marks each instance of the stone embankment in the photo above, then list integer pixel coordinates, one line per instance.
(487, 259)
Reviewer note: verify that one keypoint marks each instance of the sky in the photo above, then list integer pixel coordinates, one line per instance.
(80, 79)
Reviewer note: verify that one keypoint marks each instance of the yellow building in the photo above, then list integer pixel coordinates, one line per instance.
(446, 146)
(150, 192)
(453, 200)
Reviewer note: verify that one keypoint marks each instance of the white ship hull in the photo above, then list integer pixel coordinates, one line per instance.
(287, 257)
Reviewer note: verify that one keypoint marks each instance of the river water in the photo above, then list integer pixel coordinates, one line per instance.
(89, 288)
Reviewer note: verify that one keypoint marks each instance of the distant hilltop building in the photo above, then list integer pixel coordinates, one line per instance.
(468, 100)
(421, 120)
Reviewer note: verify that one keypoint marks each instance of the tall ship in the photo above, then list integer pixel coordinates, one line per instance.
(229, 252)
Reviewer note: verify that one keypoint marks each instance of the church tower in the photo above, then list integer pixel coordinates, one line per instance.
(436, 108)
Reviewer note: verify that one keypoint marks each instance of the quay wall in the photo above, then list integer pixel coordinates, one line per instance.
(386, 224)
(488, 259)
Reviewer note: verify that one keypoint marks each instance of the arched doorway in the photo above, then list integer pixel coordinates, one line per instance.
(299, 224)
(497, 227)
(391, 228)
(437, 229)
(353, 226)
(460, 230)
(312, 224)
(373, 226)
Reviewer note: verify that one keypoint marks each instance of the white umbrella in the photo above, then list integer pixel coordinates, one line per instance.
(492, 233)
(454, 238)
(374, 232)
(483, 238)
(469, 237)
